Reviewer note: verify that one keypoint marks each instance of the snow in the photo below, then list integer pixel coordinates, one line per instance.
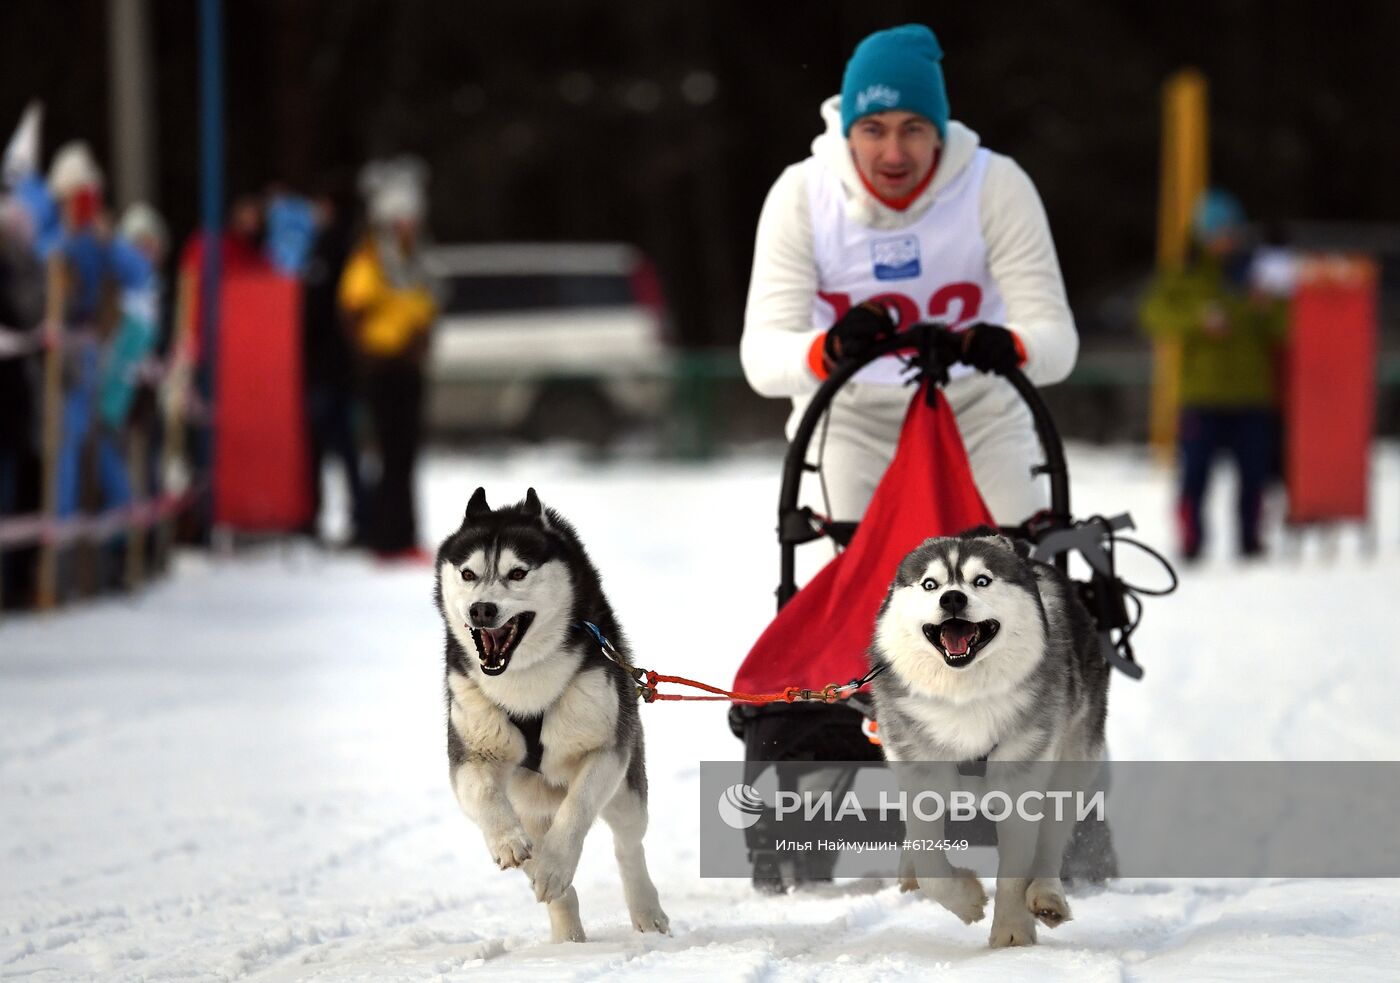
(240, 773)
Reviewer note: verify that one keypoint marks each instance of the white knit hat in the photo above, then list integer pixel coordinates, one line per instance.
(73, 167)
(142, 221)
(394, 189)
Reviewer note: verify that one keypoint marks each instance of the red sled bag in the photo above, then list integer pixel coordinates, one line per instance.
(821, 636)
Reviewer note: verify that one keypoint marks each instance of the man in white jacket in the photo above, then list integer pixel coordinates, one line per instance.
(900, 217)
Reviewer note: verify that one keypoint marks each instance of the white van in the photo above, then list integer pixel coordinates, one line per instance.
(546, 340)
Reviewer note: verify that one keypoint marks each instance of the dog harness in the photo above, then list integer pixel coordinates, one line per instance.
(529, 728)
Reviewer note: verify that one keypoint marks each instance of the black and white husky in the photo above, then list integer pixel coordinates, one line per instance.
(543, 734)
(990, 656)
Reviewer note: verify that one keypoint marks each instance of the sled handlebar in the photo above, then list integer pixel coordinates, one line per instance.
(932, 359)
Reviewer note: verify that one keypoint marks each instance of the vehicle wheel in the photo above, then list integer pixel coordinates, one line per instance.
(576, 411)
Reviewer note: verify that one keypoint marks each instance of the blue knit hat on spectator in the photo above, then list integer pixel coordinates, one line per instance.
(1216, 212)
(896, 69)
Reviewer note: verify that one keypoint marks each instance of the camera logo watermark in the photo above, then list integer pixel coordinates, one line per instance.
(740, 806)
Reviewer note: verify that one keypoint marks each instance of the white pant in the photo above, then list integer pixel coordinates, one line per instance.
(865, 420)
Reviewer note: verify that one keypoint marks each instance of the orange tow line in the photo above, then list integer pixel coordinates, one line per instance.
(647, 681)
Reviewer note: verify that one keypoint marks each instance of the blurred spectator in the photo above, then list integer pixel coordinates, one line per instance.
(81, 237)
(242, 248)
(291, 231)
(1230, 332)
(21, 310)
(328, 361)
(387, 294)
(138, 252)
(241, 251)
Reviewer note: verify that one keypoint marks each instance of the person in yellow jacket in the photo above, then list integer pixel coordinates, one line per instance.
(1230, 331)
(387, 297)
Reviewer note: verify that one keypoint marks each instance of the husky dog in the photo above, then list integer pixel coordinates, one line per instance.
(543, 734)
(990, 656)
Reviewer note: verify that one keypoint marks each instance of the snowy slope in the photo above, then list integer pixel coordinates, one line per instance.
(240, 774)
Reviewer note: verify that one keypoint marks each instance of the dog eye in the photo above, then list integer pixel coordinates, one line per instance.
(930, 584)
(468, 576)
(982, 581)
(517, 574)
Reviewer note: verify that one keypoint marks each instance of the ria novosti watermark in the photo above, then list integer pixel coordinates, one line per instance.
(1157, 818)
(741, 806)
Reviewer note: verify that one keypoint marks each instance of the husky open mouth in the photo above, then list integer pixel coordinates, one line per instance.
(959, 641)
(494, 646)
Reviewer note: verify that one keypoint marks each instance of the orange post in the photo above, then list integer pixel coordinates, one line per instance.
(1185, 167)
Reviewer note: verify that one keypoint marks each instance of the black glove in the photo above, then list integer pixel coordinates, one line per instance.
(990, 347)
(859, 330)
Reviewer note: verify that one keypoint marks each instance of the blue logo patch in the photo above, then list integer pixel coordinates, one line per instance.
(895, 259)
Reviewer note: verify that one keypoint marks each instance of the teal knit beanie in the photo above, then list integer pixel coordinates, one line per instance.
(1216, 211)
(896, 69)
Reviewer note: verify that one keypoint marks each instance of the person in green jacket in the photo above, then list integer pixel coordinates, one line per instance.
(1230, 333)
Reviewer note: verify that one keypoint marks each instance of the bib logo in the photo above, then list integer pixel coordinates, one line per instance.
(895, 259)
(876, 95)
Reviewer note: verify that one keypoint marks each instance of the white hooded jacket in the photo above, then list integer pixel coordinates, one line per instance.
(1021, 259)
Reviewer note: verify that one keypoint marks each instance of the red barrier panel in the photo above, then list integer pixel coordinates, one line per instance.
(1330, 390)
(261, 482)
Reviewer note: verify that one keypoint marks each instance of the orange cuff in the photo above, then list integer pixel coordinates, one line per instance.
(1020, 349)
(816, 356)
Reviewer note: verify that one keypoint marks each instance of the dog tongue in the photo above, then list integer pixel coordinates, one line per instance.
(957, 636)
(491, 641)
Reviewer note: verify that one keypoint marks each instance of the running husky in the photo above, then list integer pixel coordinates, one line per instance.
(543, 734)
(991, 657)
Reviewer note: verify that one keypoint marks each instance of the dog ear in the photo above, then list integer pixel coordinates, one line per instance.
(980, 532)
(533, 508)
(1023, 547)
(477, 507)
(1020, 547)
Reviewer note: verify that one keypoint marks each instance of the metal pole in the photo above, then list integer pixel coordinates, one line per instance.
(132, 109)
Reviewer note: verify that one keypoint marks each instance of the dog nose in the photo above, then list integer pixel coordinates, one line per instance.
(953, 601)
(483, 614)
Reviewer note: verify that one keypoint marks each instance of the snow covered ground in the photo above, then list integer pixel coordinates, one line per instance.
(240, 773)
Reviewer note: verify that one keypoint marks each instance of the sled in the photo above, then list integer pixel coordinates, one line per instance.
(821, 633)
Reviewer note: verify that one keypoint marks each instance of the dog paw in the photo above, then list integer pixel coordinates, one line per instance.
(1045, 899)
(552, 876)
(962, 894)
(571, 933)
(1014, 928)
(908, 882)
(651, 920)
(509, 849)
